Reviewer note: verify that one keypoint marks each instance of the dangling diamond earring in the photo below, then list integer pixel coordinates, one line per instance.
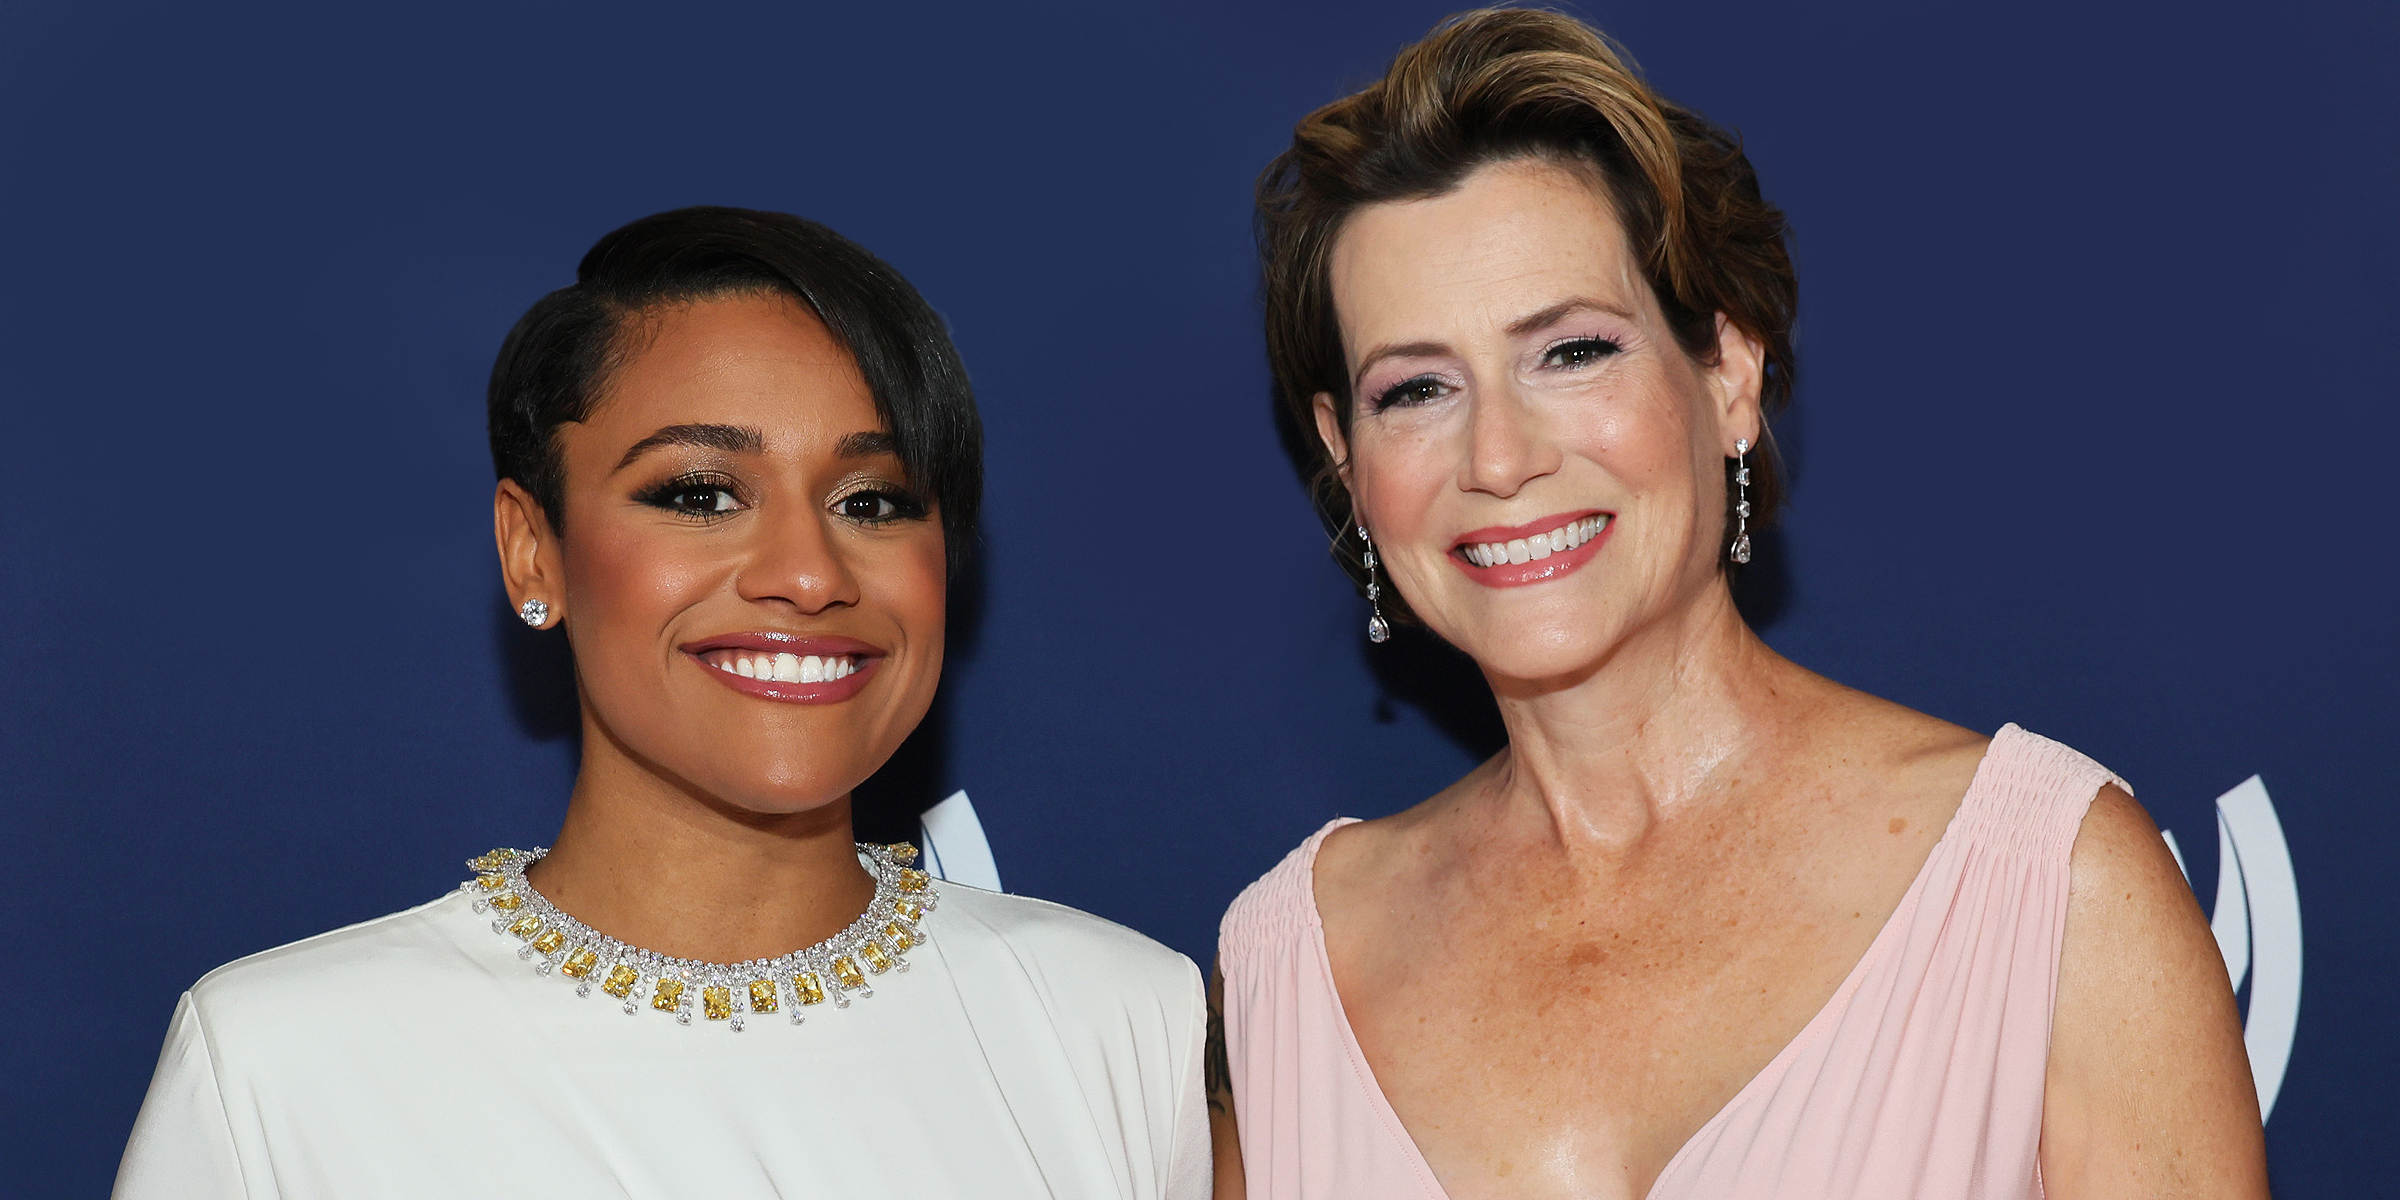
(1378, 629)
(1741, 505)
(534, 612)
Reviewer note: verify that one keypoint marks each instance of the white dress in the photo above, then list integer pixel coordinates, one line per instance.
(1031, 1050)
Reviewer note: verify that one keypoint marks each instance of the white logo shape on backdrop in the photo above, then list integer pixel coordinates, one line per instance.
(955, 849)
(2257, 923)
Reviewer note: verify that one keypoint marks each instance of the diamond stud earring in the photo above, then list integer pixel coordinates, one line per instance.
(1740, 552)
(1378, 629)
(534, 612)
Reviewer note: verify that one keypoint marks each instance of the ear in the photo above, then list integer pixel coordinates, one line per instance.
(1329, 431)
(1739, 376)
(530, 565)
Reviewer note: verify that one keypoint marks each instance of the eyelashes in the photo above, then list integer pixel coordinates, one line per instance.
(703, 495)
(1408, 393)
(1577, 352)
(1566, 354)
(708, 497)
(881, 504)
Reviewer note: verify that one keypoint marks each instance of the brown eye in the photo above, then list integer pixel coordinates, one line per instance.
(1582, 352)
(868, 506)
(1421, 390)
(878, 506)
(703, 500)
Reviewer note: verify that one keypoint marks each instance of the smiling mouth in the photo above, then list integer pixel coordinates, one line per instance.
(783, 668)
(1536, 546)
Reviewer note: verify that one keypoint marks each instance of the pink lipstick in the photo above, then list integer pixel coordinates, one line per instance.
(1516, 555)
(787, 667)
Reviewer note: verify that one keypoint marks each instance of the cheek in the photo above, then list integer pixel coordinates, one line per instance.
(1397, 474)
(622, 575)
(912, 585)
(1646, 445)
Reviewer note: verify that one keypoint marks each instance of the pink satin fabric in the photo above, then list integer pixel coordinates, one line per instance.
(1921, 1077)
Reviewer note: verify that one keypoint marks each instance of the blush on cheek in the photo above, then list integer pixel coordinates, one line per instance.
(625, 575)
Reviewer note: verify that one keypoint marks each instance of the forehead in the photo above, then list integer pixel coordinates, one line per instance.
(761, 360)
(1512, 238)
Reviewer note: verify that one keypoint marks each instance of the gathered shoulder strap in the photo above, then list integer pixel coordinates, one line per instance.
(2030, 794)
(1280, 905)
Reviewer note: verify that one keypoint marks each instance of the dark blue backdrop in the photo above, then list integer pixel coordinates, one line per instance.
(2094, 437)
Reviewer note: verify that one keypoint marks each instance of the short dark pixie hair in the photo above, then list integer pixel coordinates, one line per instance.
(1497, 85)
(557, 360)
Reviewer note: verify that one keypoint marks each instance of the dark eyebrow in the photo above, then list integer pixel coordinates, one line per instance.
(733, 439)
(1405, 350)
(866, 445)
(1560, 311)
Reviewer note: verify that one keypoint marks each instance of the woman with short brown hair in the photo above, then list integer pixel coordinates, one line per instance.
(1711, 924)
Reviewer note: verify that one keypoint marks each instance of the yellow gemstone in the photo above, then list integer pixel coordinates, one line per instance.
(491, 883)
(762, 995)
(506, 901)
(903, 852)
(902, 936)
(809, 988)
(913, 880)
(878, 958)
(579, 964)
(549, 942)
(716, 1002)
(620, 981)
(525, 925)
(914, 910)
(669, 995)
(849, 974)
(492, 860)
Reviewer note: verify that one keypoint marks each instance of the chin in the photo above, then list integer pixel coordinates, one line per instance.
(1537, 650)
(779, 798)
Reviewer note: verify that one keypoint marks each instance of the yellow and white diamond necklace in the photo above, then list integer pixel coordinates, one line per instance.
(835, 969)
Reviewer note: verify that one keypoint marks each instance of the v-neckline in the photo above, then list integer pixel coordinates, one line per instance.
(1826, 1015)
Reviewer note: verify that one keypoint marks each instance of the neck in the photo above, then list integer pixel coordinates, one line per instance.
(1659, 728)
(652, 861)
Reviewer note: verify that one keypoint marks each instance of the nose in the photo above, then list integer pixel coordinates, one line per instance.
(1507, 446)
(795, 558)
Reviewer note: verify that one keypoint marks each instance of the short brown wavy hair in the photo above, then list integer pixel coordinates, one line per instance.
(1494, 85)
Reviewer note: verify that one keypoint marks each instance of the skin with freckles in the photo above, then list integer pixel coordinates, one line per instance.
(1561, 966)
(733, 479)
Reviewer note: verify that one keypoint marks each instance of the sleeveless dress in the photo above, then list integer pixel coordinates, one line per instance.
(1922, 1076)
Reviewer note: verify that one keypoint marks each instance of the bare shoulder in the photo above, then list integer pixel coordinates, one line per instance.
(2129, 910)
(2118, 851)
(2149, 1090)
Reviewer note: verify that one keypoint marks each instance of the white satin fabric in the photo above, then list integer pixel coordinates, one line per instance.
(1031, 1050)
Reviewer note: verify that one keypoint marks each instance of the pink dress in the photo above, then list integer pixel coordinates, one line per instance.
(1921, 1077)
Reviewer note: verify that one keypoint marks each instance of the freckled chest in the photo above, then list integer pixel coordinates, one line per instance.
(1542, 1035)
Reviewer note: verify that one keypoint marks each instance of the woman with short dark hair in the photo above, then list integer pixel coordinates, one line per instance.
(1710, 925)
(738, 462)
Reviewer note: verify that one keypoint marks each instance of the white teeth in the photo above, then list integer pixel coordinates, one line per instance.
(1541, 545)
(787, 668)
